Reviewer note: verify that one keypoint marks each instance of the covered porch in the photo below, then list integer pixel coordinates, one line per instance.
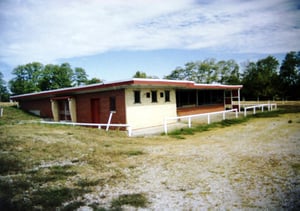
(197, 101)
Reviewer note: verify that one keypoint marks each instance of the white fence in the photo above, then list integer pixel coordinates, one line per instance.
(129, 130)
(190, 117)
(270, 107)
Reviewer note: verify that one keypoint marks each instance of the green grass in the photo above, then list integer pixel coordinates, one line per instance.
(13, 115)
(180, 133)
(135, 200)
(43, 188)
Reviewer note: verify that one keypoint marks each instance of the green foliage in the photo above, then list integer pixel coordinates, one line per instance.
(93, 81)
(260, 79)
(4, 94)
(140, 74)
(208, 71)
(80, 76)
(290, 75)
(34, 77)
(27, 78)
(55, 76)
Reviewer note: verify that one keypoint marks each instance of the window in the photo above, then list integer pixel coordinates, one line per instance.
(148, 94)
(167, 96)
(161, 95)
(137, 97)
(112, 103)
(154, 96)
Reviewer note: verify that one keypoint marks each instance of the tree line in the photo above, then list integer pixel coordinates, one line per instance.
(35, 77)
(264, 79)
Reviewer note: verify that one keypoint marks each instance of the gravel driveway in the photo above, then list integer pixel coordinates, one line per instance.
(254, 165)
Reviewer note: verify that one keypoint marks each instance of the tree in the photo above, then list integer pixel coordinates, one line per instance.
(56, 76)
(64, 76)
(47, 78)
(140, 74)
(34, 77)
(93, 81)
(27, 78)
(290, 75)
(228, 72)
(80, 76)
(260, 79)
(208, 71)
(4, 94)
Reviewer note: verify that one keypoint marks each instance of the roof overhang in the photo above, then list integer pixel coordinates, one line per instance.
(135, 83)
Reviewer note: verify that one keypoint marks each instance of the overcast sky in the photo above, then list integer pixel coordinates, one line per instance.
(113, 39)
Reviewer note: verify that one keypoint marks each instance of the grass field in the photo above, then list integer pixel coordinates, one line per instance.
(248, 163)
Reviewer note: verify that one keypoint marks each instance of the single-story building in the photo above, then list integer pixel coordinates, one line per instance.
(140, 103)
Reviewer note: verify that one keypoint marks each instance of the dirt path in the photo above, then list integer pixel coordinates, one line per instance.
(253, 165)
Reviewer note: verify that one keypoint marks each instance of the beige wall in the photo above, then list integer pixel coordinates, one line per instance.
(146, 113)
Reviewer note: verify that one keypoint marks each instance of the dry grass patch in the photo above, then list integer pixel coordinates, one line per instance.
(230, 165)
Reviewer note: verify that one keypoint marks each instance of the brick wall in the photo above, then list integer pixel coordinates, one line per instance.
(199, 109)
(84, 111)
(43, 106)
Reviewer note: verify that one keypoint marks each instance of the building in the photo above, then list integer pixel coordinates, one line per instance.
(140, 103)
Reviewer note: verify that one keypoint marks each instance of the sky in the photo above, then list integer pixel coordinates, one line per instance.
(113, 39)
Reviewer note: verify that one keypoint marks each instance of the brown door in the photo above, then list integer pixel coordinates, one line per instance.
(95, 110)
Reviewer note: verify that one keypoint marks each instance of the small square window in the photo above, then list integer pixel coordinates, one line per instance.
(161, 94)
(148, 94)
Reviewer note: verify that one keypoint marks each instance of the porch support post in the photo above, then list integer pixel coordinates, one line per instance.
(54, 109)
(231, 99)
(72, 107)
(239, 100)
(197, 104)
(224, 95)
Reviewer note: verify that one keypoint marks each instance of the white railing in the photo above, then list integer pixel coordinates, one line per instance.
(99, 125)
(270, 107)
(189, 117)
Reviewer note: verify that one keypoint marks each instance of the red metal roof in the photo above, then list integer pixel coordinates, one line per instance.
(123, 84)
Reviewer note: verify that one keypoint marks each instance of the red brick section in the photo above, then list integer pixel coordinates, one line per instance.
(84, 111)
(43, 105)
(83, 106)
(199, 110)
